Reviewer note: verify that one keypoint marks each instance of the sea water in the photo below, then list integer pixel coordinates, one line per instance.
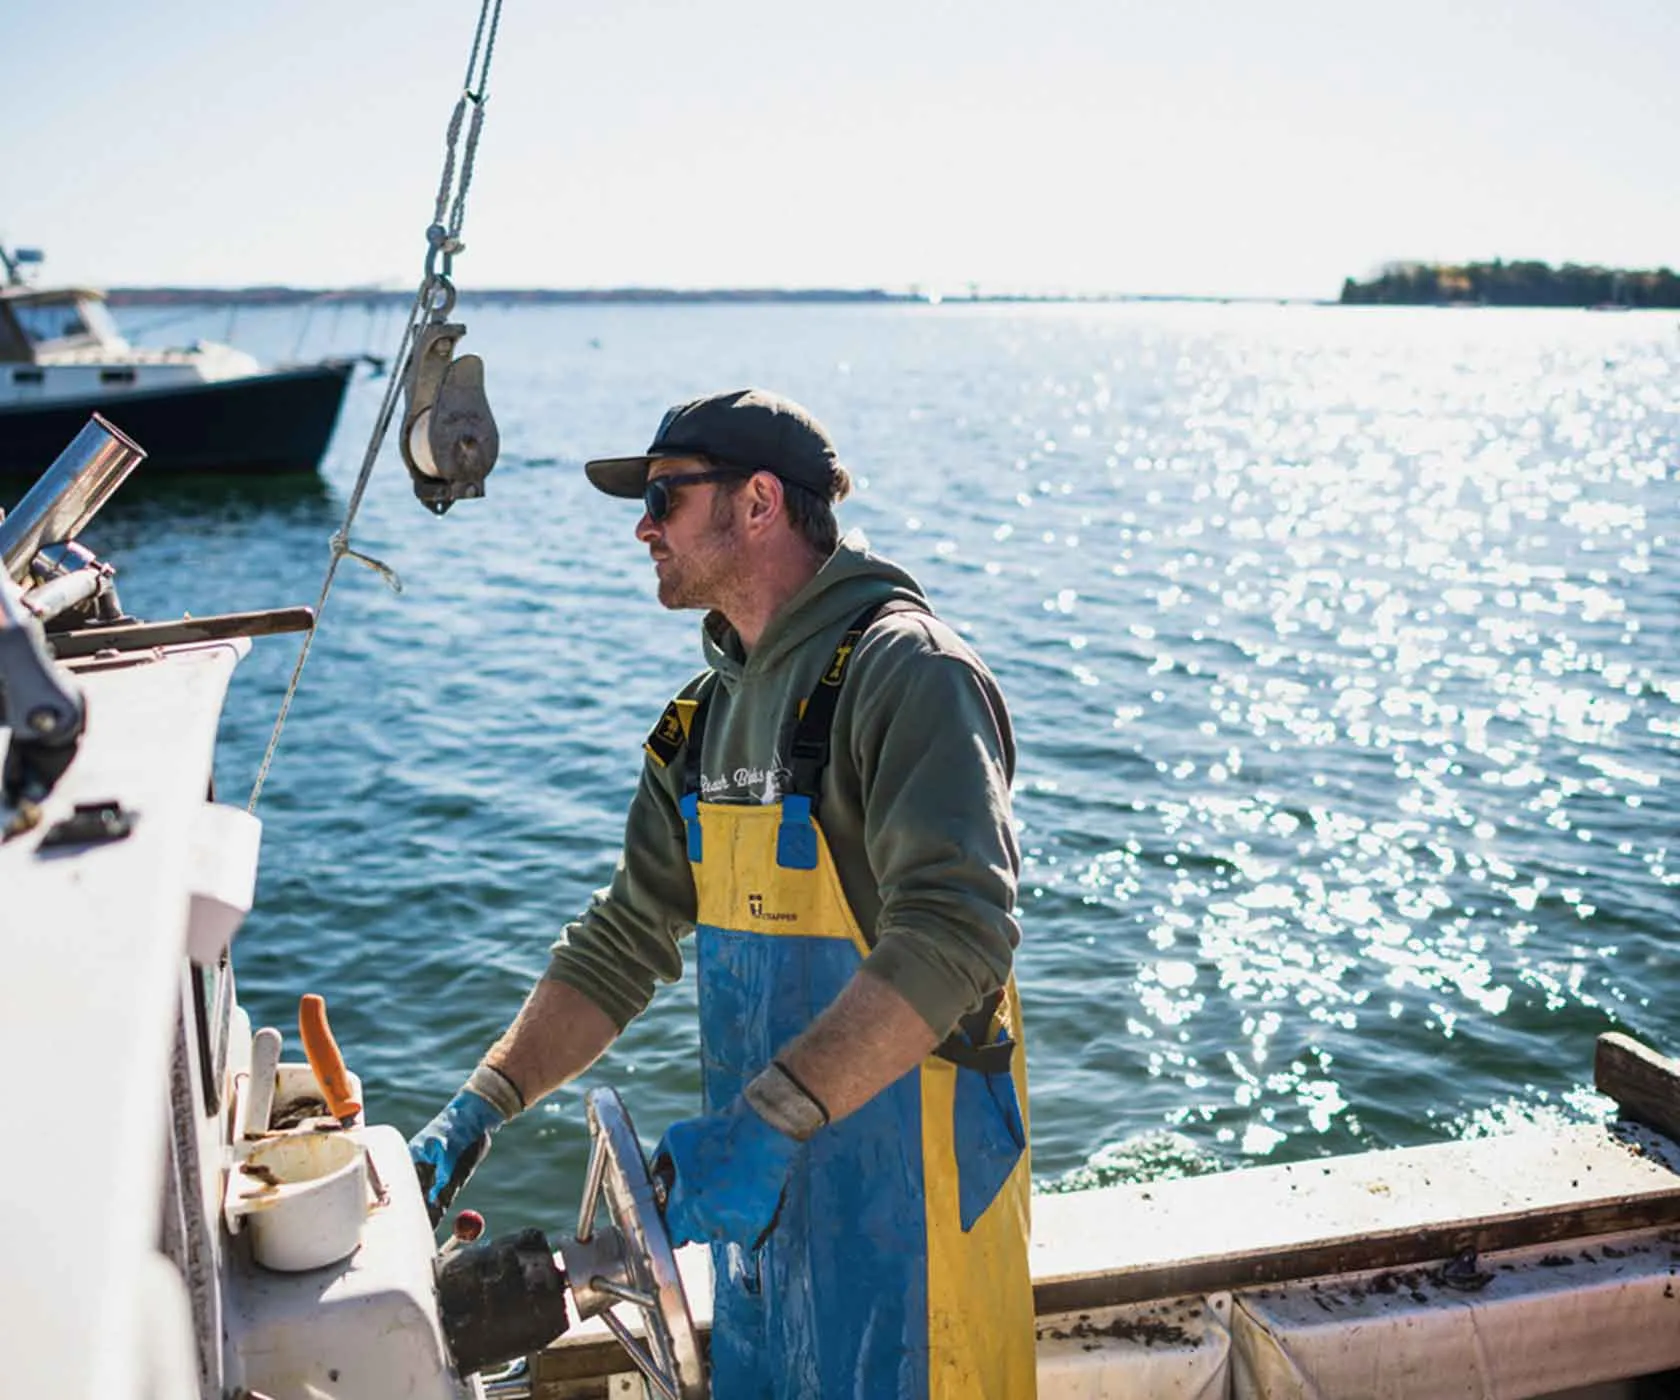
(1342, 648)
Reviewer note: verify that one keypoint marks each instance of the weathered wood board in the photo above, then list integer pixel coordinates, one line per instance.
(1376, 1210)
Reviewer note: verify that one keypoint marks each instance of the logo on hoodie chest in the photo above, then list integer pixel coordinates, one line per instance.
(747, 783)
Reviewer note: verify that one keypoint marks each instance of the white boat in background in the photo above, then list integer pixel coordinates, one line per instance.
(199, 408)
(196, 1213)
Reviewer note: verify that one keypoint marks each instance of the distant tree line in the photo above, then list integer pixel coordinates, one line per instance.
(1500, 283)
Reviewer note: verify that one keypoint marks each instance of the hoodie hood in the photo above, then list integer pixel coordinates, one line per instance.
(848, 582)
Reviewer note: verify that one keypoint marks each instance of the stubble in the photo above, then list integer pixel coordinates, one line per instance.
(701, 574)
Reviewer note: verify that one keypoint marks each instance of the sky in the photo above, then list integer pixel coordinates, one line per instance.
(1202, 147)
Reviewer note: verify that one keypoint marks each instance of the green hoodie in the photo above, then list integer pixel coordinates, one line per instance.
(914, 803)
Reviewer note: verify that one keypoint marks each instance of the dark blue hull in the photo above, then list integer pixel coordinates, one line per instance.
(280, 421)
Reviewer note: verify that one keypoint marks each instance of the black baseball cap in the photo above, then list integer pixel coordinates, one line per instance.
(752, 429)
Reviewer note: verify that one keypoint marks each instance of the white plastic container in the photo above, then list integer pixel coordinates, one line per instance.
(303, 1196)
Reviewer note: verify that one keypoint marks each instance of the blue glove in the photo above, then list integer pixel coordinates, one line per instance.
(724, 1176)
(447, 1149)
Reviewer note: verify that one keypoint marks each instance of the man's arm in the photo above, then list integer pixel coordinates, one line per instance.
(628, 939)
(868, 1038)
(725, 1172)
(929, 762)
(558, 1034)
(602, 972)
(934, 786)
(600, 977)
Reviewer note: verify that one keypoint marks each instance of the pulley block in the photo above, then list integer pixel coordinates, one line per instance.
(449, 439)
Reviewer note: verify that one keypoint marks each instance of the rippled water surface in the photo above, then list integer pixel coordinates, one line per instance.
(1342, 647)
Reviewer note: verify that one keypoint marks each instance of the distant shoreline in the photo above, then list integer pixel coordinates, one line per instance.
(1413, 284)
(1523, 283)
(590, 296)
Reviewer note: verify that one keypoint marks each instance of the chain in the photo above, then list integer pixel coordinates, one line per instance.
(434, 300)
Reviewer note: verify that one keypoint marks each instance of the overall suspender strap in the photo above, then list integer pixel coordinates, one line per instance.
(815, 730)
(682, 730)
(697, 737)
(696, 745)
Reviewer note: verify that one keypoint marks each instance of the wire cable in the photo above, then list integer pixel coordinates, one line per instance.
(427, 305)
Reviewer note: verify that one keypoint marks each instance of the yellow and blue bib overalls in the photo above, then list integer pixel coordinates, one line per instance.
(898, 1264)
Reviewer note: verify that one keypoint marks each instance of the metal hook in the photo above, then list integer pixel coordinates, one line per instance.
(393, 580)
(437, 238)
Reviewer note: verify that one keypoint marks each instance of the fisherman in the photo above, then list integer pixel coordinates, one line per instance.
(827, 808)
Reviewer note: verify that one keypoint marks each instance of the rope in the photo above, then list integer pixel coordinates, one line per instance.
(426, 305)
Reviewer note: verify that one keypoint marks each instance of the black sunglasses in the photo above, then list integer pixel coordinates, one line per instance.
(658, 496)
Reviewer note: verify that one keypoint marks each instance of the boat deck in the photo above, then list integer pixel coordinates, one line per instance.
(1327, 1278)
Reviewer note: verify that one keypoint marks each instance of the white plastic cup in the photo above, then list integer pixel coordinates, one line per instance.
(303, 1196)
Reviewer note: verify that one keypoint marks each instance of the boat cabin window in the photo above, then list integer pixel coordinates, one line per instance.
(46, 322)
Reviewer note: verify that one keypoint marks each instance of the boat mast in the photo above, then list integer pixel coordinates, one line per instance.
(14, 263)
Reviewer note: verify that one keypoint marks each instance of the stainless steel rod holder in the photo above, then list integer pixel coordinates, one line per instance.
(69, 493)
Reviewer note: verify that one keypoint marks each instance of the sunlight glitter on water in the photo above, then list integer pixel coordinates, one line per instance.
(1378, 586)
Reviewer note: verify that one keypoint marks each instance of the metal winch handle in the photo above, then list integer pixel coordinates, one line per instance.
(631, 1259)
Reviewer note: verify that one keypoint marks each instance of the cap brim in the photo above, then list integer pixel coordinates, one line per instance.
(619, 476)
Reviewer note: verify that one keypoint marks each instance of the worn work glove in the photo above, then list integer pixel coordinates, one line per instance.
(447, 1149)
(725, 1173)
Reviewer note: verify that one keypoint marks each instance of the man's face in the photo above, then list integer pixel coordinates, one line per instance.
(694, 548)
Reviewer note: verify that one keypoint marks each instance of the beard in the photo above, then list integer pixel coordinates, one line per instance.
(700, 576)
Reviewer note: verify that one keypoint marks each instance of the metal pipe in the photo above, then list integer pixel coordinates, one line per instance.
(69, 493)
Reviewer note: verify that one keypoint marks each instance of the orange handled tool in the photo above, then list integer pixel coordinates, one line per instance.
(325, 1059)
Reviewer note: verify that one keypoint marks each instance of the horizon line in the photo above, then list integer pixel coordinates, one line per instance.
(285, 293)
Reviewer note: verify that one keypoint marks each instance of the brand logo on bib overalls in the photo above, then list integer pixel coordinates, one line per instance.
(837, 668)
(755, 904)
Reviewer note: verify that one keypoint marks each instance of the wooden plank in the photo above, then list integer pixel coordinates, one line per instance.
(142, 636)
(1644, 1084)
(1391, 1249)
(1375, 1210)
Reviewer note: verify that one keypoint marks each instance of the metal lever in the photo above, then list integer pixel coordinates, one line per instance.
(42, 704)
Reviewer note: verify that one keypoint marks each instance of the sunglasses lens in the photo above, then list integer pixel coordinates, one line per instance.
(656, 496)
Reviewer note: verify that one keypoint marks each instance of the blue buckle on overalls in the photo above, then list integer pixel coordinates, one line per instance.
(796, 837)
(690, 809)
